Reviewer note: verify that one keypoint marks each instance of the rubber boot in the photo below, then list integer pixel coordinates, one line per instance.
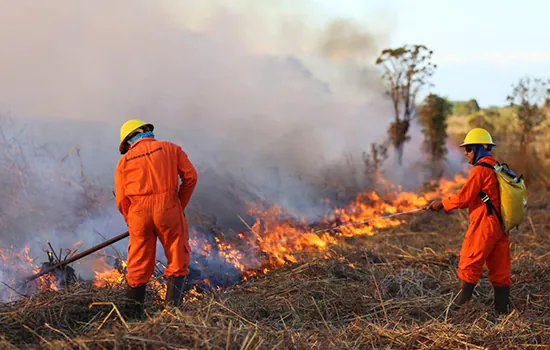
(136, 300)
(502, 300)
(465, 294)
(174, 291)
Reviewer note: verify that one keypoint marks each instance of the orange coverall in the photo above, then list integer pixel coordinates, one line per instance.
(147, 195)
(485, 241)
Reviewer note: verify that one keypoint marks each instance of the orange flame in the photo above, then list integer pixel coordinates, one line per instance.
(17, 264)
(105, 274)
(284, 240)
(277, 238)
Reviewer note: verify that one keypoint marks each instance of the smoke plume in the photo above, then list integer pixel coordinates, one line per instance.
(268, 105)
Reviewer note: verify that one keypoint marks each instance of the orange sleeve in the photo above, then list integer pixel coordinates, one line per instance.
(122, 201)
(467, 193)
(189, 177)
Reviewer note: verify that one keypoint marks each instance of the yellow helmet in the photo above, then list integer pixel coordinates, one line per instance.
(128, 128)
(478, 136)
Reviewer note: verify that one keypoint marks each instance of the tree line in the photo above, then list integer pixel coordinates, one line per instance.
(407, 70)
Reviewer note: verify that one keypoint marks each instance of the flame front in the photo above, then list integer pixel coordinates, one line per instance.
(276, 238)
(280, 239)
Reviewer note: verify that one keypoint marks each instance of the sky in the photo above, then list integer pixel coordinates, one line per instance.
(481, 47)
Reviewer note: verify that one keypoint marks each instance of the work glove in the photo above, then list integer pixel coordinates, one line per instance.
(436, 205)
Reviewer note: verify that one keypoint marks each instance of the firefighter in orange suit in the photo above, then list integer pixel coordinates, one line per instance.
(485, 242)
(152, 202)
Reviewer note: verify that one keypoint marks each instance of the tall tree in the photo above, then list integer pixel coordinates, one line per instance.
(433, 118)
(406, 70)
(529, 97)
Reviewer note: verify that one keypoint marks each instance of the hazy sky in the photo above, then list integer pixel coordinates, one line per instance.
(482, 47)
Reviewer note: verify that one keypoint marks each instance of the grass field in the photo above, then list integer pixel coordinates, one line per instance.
(389, 290)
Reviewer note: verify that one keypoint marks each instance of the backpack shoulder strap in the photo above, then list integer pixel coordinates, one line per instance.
(485, 198)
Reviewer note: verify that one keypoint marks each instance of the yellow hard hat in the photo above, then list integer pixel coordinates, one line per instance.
(478, 136)
(128, 128)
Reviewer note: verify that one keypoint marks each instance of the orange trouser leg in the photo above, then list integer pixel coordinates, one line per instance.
(141, 249)
(475, 251)
(172, 232)
(498, 263)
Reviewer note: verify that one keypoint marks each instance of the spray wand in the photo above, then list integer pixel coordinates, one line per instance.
(372, 219)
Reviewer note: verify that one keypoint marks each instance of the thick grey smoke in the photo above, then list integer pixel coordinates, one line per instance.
(266, 105)
(265, 119)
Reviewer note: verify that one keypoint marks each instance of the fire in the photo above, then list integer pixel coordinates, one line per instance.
(108, 277)
(231, 255)
(282, 240)
(275, 238)
(105, 274)
(17, 264)
(46, 282)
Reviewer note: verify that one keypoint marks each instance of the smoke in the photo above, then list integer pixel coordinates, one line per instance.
(266, 103)
(265, 115)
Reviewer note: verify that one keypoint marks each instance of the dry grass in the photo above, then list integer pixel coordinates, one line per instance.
(392, 290)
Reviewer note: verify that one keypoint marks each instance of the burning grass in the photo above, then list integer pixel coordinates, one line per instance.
(390, 290)
(387, 284)
(273, 239)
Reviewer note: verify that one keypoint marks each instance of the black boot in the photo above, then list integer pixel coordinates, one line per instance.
(502, 300)
(465, 294)
(136, 299)
(174, 291)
